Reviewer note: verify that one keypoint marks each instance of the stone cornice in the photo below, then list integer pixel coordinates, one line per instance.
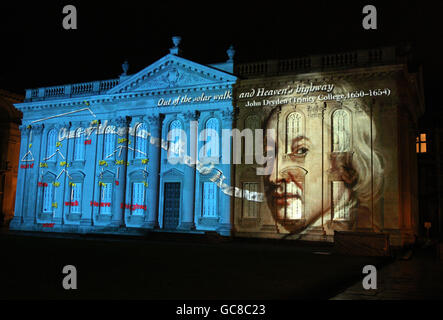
(324, 76)
(104, 98)
(173, 63)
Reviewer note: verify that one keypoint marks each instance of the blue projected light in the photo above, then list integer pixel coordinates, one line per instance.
(95, 157)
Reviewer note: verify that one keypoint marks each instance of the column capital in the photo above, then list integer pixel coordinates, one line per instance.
(121, 121)
(24, 129)
(191, 115)
(37, 127)
(154, 120)
(228, 115)
(58, 125)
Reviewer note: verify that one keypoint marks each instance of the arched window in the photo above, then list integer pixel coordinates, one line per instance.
(175, 148)
(141, 141)
(79, 145)
(51, 145)
(294, 129)
(209, 200)
(109, 147)
(340, 131)
(211, 146)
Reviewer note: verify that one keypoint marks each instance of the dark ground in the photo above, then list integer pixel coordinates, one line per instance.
(178, 268)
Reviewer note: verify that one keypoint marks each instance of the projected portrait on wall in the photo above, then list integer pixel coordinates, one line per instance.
(322, 175)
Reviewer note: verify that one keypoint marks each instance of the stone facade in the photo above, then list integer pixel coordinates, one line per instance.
(102, 156)
(95, 157)
(344, 152)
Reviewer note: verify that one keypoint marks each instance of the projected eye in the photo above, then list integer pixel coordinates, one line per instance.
(299, 151)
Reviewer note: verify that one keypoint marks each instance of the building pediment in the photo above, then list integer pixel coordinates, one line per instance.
(172, 72)
(172, 173)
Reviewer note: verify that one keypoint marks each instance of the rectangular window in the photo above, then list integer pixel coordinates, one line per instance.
(76, 197)
(250, 207)
(294, 211)
(209, 200)
(138, 198)
(421, 143)
(48, 196)
(106, 198)
(339, 200)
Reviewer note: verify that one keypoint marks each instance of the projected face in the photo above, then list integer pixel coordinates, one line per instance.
(294, 188)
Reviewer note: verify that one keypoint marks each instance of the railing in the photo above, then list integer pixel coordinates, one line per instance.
(71, 90)
(270, 67)
(358, 58)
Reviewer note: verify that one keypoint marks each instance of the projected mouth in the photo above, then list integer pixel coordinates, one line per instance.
(284, 199)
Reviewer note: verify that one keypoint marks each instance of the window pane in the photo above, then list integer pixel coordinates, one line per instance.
(109, 147)
(174, 149)
(340, 131)
(141, 141)
(339, 201)
(138, 197)
(295, 210)
(209, 199)
(211, 144)
(106, 198)
(47, 198)
(76, 192)
(51, 147)
(79, 145)
(293, 129)
(423, 137)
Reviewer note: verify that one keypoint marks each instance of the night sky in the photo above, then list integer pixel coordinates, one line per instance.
(37, 51)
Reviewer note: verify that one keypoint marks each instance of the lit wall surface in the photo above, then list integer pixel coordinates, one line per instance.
(103, 156)
(344, 155)
(95, 157)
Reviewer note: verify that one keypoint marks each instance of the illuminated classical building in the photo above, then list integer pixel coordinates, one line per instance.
(96, 157)
(339, 133)
(345, 161)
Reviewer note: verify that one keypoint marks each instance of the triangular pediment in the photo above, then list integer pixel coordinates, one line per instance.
(172, 173)
(172, 72)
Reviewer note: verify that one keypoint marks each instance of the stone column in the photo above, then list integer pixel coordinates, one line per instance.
(67, 149)
(187, 222)
(129, 156)
(267, 221)
(121, 171)
(225, 224)
(34, 145)
(91, 160)
(63, 179)
(154, 171)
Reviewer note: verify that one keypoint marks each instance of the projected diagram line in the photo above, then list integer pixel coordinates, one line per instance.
(119, 150)
(64, 114)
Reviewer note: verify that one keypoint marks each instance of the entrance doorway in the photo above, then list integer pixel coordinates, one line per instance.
(171, 207)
